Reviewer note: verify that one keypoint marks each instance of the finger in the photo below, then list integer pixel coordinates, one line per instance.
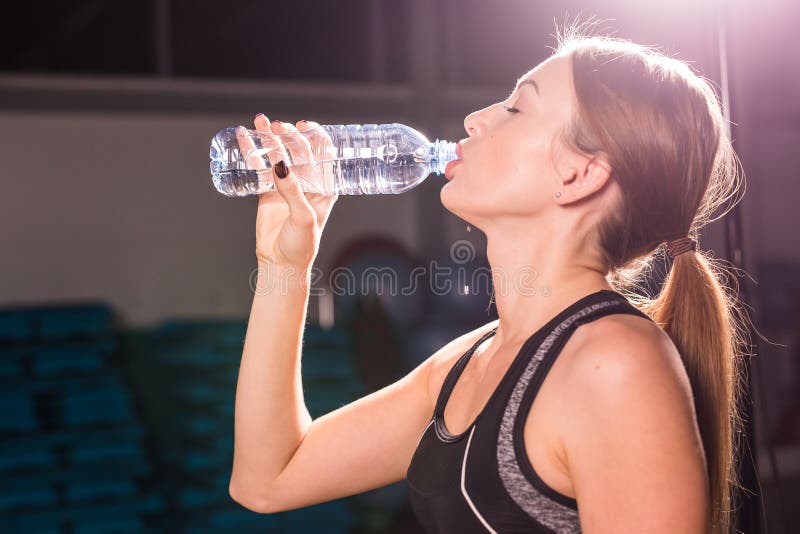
(262, 125)
(321, 142)
(248, 149)
(301, 214)
(323, 149)
(271, 150)
(252, 152)
(300, 211)
(300, 156)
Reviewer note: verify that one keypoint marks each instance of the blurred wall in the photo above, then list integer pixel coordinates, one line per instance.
(104, 200)
(120, 207)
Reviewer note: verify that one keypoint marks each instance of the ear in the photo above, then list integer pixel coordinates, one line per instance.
(586, 177)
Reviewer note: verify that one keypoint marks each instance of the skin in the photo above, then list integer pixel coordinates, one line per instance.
(613, 424)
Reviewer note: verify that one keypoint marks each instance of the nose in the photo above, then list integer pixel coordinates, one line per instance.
(471, 123)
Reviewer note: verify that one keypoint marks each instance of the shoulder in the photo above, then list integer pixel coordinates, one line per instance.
(625, 350)
(630, 429)
(626, 363)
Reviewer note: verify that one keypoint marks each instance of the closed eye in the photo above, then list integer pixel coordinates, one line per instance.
(511, 110)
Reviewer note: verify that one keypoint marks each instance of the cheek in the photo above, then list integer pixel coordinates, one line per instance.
(512, 189)
(525, 183)
(498, 159)
(507, 176)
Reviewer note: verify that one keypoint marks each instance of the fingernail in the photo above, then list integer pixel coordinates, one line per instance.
(280, 169)
(276, 120)
(306, 125)
(261, 115)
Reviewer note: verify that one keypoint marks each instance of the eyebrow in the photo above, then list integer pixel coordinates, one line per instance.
(528, 81)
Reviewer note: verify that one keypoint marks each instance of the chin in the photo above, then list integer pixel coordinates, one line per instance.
(457, 203)
(449, 198)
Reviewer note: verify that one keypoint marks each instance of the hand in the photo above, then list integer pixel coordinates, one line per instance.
(289, 222)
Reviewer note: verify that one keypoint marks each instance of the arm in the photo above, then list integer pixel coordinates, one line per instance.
(283, 460)
(286, 461)
(270, 414)
(368, 443)
(632, 445)
(271, 417)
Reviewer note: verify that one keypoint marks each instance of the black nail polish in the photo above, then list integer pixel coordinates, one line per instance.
(280, 169)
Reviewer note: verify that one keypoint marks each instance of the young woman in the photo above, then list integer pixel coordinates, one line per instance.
(584, 407)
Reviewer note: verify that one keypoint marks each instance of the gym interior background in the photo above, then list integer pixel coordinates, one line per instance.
(126, 279)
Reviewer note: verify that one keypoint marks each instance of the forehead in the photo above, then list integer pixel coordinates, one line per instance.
(553, 72)
(555, 103)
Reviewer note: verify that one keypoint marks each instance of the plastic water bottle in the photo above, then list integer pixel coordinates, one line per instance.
(367, 159)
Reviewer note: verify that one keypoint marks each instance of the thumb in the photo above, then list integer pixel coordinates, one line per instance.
(286, 183)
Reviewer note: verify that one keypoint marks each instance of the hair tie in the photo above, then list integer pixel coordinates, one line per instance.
(679, 246)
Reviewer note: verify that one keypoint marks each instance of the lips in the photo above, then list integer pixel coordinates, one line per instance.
(448, 169)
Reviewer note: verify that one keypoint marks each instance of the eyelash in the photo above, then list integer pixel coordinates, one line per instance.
(511, 110)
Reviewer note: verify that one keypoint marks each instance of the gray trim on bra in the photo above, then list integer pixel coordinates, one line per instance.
(546, 511)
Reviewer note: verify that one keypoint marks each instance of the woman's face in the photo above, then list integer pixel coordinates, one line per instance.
(513, 162)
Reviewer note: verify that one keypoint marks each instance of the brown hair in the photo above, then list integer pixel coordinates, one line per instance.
(661, 127)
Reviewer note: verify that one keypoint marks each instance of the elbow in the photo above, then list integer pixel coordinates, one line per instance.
(255, 501)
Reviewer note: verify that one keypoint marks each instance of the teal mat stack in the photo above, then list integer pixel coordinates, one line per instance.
(113, 430)
(184, 374)
(72, 449)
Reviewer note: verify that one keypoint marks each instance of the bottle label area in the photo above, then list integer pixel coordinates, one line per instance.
(386, 152)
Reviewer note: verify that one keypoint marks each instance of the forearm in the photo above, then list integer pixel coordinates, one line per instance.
(271, 417)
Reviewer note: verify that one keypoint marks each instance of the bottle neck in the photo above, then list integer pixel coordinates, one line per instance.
(440, 153)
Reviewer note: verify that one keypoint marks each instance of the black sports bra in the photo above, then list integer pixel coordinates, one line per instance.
(482, 480)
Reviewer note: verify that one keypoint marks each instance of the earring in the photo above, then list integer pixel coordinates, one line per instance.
(558, 194)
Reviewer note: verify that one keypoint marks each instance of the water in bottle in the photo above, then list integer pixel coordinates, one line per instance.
(364, 159)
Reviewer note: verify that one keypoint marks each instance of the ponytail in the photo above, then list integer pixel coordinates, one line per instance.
(695, 308)
(661, 127)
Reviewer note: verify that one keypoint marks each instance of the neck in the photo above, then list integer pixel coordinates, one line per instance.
(537, 276)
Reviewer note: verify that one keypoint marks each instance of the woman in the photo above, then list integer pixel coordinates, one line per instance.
(601, 155)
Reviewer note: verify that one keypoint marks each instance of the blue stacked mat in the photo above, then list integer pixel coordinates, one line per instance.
(72, 457)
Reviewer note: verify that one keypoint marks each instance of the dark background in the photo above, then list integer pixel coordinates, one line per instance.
(125, 277)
